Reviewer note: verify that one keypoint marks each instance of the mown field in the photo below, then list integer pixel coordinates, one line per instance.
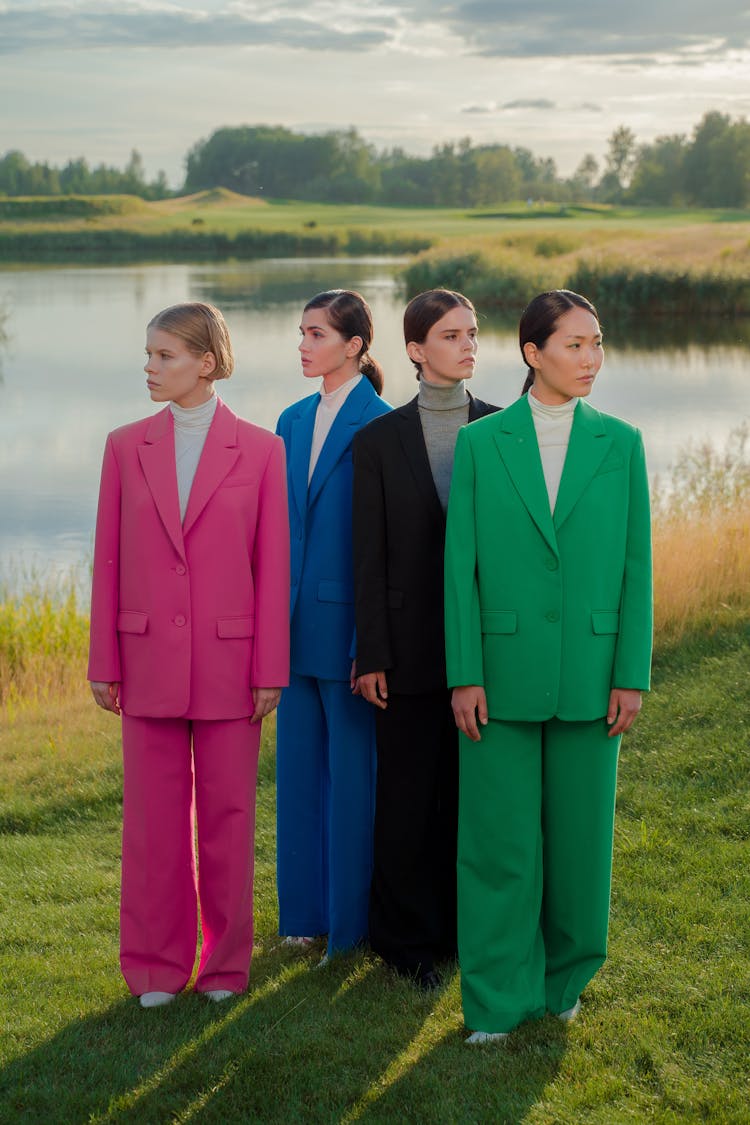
(664, 1035)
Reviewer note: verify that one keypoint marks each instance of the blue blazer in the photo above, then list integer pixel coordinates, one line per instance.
(320, 516)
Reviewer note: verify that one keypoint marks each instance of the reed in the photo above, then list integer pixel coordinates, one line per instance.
(702, 538)
(43, 642)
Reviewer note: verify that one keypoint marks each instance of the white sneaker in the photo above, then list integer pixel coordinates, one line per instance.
(570, 1013)
(298, 941)
(156, 999)
(218, 994)
(324, 960)
(486, 1037)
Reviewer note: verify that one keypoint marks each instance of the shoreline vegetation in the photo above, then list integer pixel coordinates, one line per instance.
(650, 262)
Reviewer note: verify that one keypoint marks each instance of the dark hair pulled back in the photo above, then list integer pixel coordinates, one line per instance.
(427, 309)
(349, 314)
(539, 320)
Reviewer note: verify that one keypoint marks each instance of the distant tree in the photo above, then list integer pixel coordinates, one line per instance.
(717, 164)
(619, 161)
(584, 177)
(659, 174)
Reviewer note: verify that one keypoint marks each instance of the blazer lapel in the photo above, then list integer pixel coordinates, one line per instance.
(587, 448)
(158, 463)
(346, 423)
(413, 444)
(220, 454)
(300, 443)
(516, 442)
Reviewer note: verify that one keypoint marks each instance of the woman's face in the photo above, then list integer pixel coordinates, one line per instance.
(569, 362)
(448, 352)
(174, 373)
(324, 352)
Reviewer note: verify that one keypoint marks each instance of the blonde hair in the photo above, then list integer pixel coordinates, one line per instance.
(202, 329)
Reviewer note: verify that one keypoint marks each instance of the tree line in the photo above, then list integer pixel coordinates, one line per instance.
(711, 168)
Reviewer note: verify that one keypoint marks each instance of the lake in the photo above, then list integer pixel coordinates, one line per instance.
(72, 370)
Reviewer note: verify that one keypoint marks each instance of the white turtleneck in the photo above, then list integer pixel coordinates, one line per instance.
(191, 426)
(328, 407)
(552, 425)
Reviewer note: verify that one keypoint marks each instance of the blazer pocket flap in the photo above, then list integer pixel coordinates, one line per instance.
(236, 482)
(499, 621)
(395, 599)
(610, 463)
(130, 621)
(335, 592)
(233, 627)
(605, 621)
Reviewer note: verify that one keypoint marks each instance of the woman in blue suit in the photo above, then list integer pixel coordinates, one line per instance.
(325, 735)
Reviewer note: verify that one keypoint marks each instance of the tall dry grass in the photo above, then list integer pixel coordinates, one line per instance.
(702, 538)
(43, 643)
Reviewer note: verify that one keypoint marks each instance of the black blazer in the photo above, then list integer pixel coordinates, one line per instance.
(399, 538)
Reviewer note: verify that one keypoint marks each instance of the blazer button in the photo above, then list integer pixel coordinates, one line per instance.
(553, 615)
(180, 620)
(180, 569)
(552, 563)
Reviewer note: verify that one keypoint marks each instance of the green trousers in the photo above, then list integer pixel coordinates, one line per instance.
(536, 819)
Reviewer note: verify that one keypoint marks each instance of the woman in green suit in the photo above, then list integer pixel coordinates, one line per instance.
(548, 638)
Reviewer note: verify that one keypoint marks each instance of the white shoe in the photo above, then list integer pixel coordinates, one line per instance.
(324, 960)
(156, 999)
(218, 994)
(298, 941)
(486, 1037)
(570, 1013)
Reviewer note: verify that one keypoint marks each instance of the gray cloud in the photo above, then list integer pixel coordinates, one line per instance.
(689, 30)
(529, 103)
(76, 26)
(508, 28)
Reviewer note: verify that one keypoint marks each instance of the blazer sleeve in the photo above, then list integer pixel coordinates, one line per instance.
(270, 565)
(372, 641)
(104, 652)
(632, 667)
(463, 630)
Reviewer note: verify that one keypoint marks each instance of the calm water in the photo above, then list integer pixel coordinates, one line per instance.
(72, 371)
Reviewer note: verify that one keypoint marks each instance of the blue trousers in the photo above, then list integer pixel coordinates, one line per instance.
(325, 778)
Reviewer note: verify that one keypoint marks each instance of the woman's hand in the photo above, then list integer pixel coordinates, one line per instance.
(469, 705)
(624, 705)
(266, 700)
(107, 696)
(374, 687)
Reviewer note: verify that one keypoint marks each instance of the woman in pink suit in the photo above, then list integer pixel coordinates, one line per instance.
(189, 643)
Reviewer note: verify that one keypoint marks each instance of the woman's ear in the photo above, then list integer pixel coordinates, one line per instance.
(531, 354)
(414, 352)
(209, 365)
(354, 346)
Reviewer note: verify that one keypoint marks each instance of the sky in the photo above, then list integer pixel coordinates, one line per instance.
(97, 78)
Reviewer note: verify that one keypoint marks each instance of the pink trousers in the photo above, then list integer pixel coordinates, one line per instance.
(177, 770)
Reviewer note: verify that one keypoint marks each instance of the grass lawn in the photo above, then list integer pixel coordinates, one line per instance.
(664, 1035)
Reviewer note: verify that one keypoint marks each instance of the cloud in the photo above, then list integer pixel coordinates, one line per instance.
(77, 25)
(685, 30)
(529, 103)
(508, 28)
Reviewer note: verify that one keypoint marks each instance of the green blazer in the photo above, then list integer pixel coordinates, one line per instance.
(548, 613)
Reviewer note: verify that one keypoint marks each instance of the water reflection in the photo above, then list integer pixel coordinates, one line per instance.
(73, 371)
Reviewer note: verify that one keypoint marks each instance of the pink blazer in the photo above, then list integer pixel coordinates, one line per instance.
(189, 617)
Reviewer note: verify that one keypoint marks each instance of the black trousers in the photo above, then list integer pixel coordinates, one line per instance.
(413, 894)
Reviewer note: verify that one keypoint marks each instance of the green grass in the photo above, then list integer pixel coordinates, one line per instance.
(665, 1031)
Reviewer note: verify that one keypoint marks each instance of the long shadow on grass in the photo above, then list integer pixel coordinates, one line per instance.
(302, 1045)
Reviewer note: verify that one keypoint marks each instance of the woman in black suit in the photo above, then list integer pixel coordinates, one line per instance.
(402, 469)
